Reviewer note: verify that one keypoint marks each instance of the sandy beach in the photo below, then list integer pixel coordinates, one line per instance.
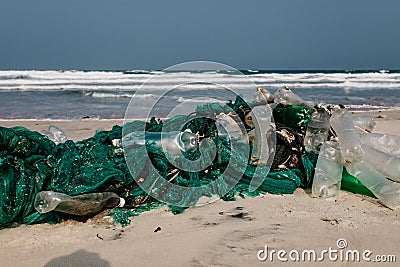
(210, 68)
(219, 234)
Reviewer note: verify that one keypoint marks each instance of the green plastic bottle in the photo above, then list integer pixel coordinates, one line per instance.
(352, 184)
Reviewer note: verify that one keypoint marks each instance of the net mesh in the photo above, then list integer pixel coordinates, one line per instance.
(30, 163)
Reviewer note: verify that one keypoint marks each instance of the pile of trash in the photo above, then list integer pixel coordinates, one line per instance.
(47, 178)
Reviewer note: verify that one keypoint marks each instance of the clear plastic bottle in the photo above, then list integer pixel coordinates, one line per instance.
(385, 163)
(384, 142)
(262, 119)
(285, 96)
(387, 191)
(172, 142)
(230, 126)
(317, 130)
(328, 171)
(55, 134)
(263, 96)
(364, 123)
(85, 204)
(350, 143)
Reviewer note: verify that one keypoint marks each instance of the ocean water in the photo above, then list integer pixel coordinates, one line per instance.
(71, 95)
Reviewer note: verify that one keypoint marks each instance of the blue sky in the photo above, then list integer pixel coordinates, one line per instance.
(128, 34)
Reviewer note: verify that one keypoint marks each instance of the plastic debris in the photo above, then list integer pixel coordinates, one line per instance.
(328, 171)
(317, 130)
(386, 191)
(352, 184)
(360, 160)
(55, 134)
(285, 96)
(229, 126)
(173, 143)
(262, 119)
(364, 123)
(384, 142)
(263, 96)
(31, 163)
(385, 163)
(350, 143)
(82, 205)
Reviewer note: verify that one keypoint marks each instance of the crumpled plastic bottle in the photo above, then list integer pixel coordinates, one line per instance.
(55, 134)
(384, 142)
(285, 96)
(387, 191)
(174, 142)
(230, 126)
(364, 123)
(263, 134)
(387, 164)
(263, 96)
(317, 130)
(328, 171)
(355, 156)
(350, 143)
(85, 204)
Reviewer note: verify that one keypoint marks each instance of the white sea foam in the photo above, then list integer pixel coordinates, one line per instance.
(113, 88)
(200, 100)
(368, 107)
(122, 95)
(62, 120)
(348, 86)
(132, 80)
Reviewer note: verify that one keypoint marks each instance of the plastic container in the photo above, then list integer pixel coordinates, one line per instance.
(172, 142)
(387, 191)
(385, 163)
(364, 123)
(384, 142)
(352, 184)
(262, 119)
(350, 143)
(285, 96)
(230, 127)
(86, 204)
(328, 171)
(55, 134)
(317, 130)
(263, 96)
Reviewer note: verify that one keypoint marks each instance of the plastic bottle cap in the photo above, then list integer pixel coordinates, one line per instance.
(121, 202)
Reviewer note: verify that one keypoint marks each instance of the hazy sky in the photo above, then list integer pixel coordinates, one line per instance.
(129, 34)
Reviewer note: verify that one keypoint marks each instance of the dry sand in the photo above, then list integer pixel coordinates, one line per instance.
(219, 234)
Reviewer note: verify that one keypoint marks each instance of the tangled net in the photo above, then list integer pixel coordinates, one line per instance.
(30, 163)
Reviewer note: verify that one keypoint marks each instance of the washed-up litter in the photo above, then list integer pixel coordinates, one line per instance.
(46, 178)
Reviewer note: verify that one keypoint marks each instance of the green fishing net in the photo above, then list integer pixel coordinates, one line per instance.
(30, 163)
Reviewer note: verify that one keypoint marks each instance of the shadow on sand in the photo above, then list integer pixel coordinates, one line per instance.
(79, 258)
